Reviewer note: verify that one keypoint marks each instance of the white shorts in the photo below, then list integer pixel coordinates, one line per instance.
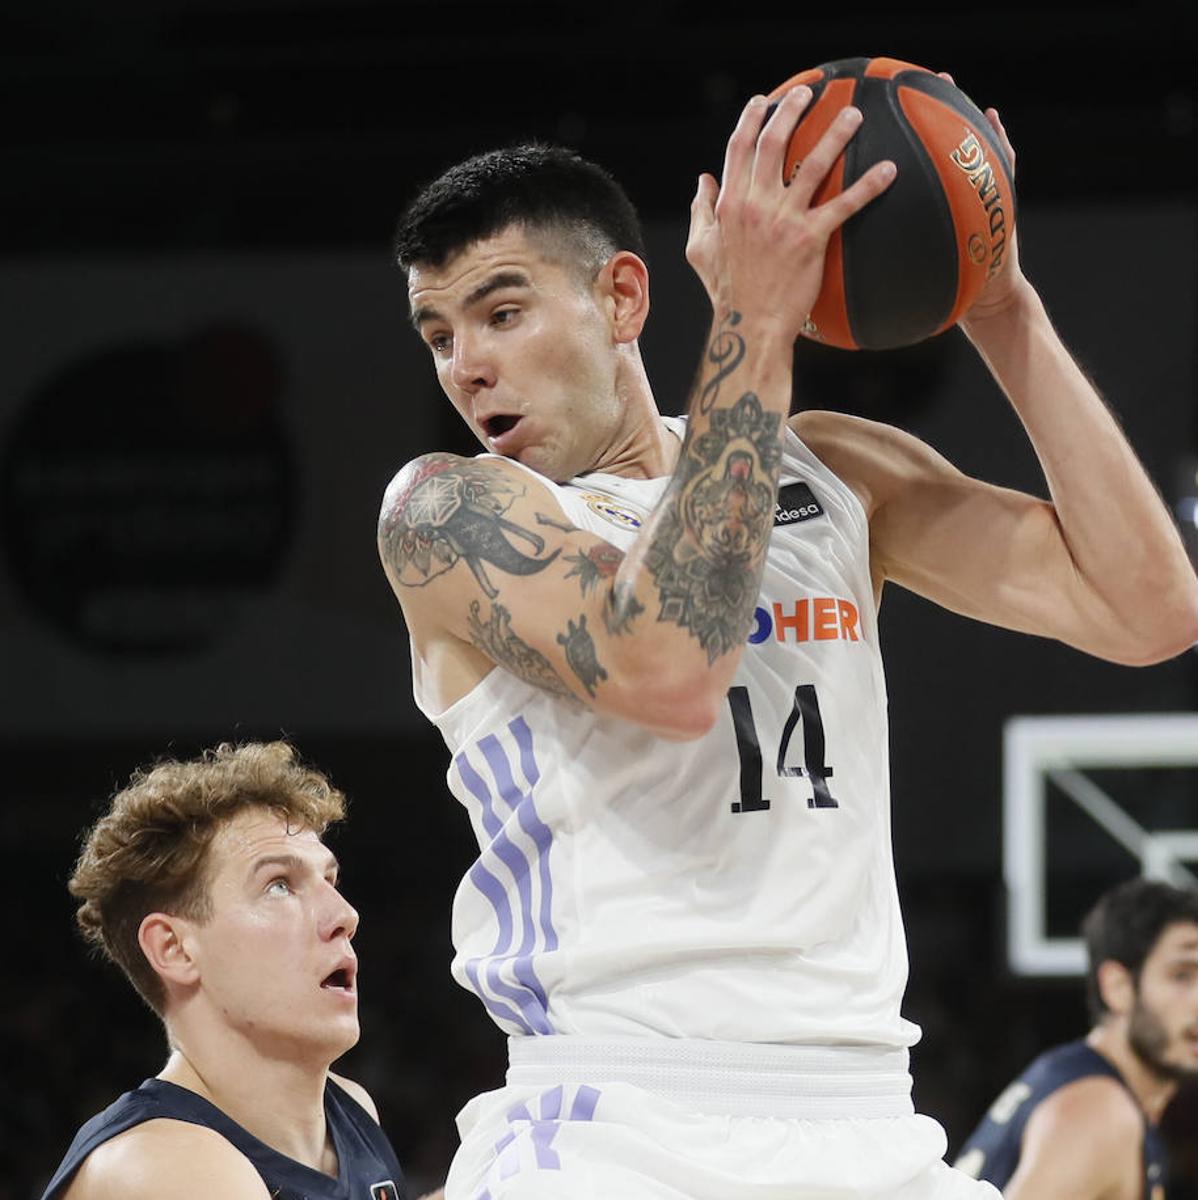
(670, 1119)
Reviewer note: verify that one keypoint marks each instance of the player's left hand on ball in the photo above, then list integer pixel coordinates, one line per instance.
(1002, 289)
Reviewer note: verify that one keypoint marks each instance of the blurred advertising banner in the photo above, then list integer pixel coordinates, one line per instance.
(192, 453)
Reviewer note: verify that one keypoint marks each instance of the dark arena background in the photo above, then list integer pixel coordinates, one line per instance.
(207, 379)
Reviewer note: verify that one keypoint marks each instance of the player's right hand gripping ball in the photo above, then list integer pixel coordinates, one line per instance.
(915, 258)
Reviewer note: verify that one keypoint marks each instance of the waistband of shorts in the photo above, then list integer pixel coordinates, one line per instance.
(727, 1078)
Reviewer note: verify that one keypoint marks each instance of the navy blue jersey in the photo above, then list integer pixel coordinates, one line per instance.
(992, 1152)
(367, 1168)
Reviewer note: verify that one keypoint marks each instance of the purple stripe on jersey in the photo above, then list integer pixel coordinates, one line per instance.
(551, 1104)
(480, 791)
(508, 1154)
(513, 858)
(532, 1007)
(492, 889)
(495, 893)
(497, 1009)
(530, 996)
(543, 1133)
(535, 827)
(585, 1101)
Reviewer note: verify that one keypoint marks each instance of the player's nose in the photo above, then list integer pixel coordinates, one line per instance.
(473, 368)
(339, 917)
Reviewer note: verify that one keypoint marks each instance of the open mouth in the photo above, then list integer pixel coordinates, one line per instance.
(498, 425)
(341, 980)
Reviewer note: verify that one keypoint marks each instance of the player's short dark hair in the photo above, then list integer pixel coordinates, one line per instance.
(1126, 924)
(545, 188)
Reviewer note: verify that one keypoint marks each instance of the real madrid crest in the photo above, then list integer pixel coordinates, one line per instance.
(613, 511)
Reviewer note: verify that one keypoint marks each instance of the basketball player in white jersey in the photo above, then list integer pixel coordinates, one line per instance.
(651, 647)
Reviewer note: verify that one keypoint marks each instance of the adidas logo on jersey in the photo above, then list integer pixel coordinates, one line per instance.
(796, 502)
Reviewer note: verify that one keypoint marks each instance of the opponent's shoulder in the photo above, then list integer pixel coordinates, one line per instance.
(1083, 1139)
(357, 1093)
(1091, 1102)
(166, 1157)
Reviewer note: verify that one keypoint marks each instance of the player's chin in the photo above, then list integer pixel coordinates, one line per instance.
(340, 1027)
(1182, 1063)
(539, 458)
(343, 1037)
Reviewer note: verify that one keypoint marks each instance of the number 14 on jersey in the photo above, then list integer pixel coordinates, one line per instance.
(748, 746)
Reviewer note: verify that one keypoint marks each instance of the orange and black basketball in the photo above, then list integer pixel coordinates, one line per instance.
(913, 260)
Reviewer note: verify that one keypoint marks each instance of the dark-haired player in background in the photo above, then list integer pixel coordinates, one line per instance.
(1081, 1121)
(208, 883)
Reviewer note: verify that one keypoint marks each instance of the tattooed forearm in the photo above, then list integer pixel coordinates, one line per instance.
(724, 352)
(495, 638)
(580, 654)
(600, 562)
(707, 549)
(450, 510)
(621, 608)
(590, 566)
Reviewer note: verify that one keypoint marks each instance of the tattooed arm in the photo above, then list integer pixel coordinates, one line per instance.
(758, 243)
(490, 572)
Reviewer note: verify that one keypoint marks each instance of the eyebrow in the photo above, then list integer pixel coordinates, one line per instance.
(501, 279)
(293, 861)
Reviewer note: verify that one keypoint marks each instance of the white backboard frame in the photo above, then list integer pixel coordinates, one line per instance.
(1039, 749)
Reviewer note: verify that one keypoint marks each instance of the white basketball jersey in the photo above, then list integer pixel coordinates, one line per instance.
(737, 887)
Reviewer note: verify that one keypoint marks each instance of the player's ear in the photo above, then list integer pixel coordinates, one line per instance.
(1117, 987)
(624, 283)
(165, 943)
